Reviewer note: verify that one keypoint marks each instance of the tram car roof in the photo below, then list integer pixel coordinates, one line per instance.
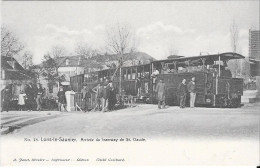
(213, 57)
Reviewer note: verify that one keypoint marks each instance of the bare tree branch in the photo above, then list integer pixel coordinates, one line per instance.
(51, 64)
(85, 50)
(10, 45)
(27, 60)
(234, 36)
(235, 65)
(120, 39)
(57, 51)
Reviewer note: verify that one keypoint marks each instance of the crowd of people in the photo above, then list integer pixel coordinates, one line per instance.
(26, 98)
(183, 90)
(31, 97)
(105, 97)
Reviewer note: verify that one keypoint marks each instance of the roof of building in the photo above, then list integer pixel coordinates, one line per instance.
(13, 70)
(10, 63)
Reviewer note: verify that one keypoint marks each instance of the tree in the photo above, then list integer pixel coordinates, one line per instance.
(10, 44)
(50, 65)
(49, 71)
(171, 50)
(235, 65)
(27, 60)
(57, 51)
(85, 50)
(234, 36)
(121, 41)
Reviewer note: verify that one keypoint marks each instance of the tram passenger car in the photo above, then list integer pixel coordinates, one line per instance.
(135, 82)
(215, 85)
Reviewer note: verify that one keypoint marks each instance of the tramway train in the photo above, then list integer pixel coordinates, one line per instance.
(215, 85)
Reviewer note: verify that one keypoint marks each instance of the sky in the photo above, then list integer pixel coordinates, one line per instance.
(160, 27)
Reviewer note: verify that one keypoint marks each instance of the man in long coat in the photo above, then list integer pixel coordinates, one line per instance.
(6, 98)
(160, 89)
(86, 96)
(105, 93)
(111, 97)
(39, 94)
(61, 99)
(29, 91)
(182, 91)
(98, 99)
(192, 89)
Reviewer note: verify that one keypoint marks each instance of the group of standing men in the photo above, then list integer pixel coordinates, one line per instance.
(26, 98)
(34, 94)
(183, 89)
(104, 97)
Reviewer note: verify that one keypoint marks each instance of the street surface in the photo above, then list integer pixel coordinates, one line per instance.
(199, 136)
(13, 120)
(143, 120)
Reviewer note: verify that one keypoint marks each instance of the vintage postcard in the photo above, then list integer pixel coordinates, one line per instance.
(130, 83)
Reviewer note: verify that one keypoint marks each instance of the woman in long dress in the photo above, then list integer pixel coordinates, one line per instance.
(21, 101)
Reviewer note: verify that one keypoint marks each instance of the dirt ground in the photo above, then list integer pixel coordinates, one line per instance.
(172, 136)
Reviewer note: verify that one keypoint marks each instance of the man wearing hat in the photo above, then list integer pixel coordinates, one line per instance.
(86, 95)
(6, 96)
(160, 89)
(106, 87)
(39, 93)
(99, 91)
(29, 91)
(61, 99)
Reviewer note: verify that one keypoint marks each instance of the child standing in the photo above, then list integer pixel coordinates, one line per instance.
(21, 100)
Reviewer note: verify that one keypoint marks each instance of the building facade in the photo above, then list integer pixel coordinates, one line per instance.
(254, 44)
(12, 73)
(254, 52)
(67, 66)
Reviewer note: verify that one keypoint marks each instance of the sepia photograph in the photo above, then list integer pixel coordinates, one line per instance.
(130, 83)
